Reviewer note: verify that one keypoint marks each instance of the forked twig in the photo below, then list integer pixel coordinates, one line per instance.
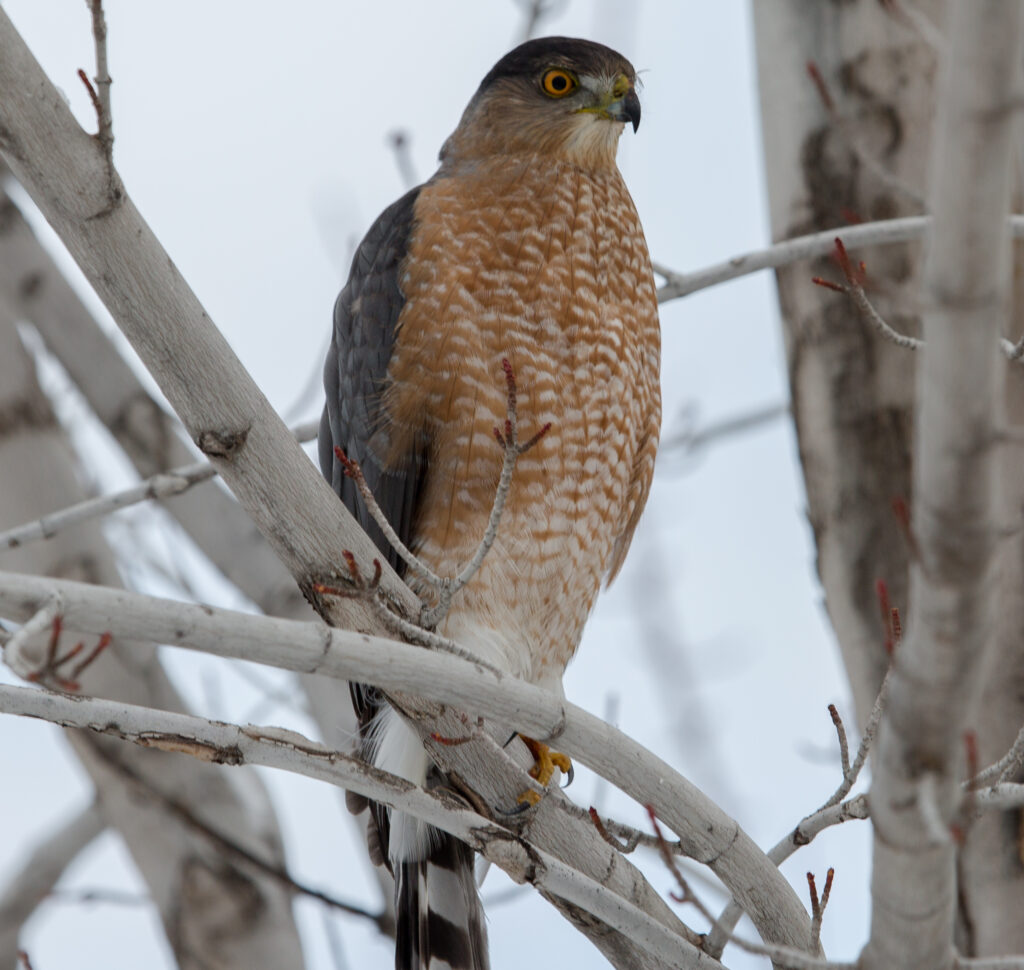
(818, 905)
(856, 276)
(448, 586)
(509, 441)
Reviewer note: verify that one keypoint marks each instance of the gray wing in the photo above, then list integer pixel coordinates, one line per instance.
(365, 316)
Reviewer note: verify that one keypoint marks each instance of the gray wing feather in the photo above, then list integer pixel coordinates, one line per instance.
(365, 317)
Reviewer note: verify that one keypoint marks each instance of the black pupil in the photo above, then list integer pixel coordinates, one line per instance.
(559, 82)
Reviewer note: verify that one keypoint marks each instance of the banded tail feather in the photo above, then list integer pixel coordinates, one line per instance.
(440, 921)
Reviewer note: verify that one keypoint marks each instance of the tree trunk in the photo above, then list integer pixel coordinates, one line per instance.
(867, 157)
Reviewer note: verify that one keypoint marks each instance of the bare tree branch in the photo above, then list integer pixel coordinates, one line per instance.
(883, 233)
(159, 486)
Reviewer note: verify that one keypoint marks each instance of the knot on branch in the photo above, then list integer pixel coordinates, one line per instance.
(221, 444)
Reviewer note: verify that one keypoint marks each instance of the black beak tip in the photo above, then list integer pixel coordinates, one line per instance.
(632, 106)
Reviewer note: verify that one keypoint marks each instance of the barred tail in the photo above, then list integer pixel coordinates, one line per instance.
(440, 921)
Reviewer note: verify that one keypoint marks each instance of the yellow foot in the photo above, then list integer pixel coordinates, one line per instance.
(546, 761)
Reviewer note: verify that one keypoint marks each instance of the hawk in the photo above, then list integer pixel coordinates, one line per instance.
(524, 246)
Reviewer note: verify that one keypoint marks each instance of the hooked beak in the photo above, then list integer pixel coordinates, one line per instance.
(626, 108)
(620, 103)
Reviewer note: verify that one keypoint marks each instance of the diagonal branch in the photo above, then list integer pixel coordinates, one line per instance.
(40, 873)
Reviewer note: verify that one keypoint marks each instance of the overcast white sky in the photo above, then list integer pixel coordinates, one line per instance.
(253, 137)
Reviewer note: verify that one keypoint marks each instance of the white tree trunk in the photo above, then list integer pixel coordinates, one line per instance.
(939, 671)
(853, 393)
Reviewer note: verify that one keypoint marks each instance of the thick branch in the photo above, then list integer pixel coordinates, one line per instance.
(315, 649)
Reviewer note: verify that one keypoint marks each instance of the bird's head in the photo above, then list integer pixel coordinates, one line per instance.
(555, 96)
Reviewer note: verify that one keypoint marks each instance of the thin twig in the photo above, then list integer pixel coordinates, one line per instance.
(783, 956)
(160, 486)
(1006, 767)
(46, 617)
(833, 812)
(100, 97)
(401, 627)
(353, 470)
(509, 441)
(885, 232)
(448, 586)
(624, 847)
(103, 80)
(818, 906)
(854, 288)
(867, 739)
(844, 745)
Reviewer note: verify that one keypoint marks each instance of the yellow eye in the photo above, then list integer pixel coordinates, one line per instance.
(558, 83)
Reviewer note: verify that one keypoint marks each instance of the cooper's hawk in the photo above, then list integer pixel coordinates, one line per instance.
(524, 245)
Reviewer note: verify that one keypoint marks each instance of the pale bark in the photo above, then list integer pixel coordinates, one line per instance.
(852, 393)
(232, 423)
(939, 671)
(33, 286)
(315, 649)
(214, 915)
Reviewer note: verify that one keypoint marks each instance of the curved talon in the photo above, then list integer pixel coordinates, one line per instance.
(544, 768)
(523, 806)
(570, 776)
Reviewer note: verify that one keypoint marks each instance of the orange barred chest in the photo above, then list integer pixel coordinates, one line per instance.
(545, 266)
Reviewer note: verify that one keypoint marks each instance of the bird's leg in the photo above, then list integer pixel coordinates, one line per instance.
(546, 761)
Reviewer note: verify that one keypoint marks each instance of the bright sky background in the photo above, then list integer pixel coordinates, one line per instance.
(253, 137)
